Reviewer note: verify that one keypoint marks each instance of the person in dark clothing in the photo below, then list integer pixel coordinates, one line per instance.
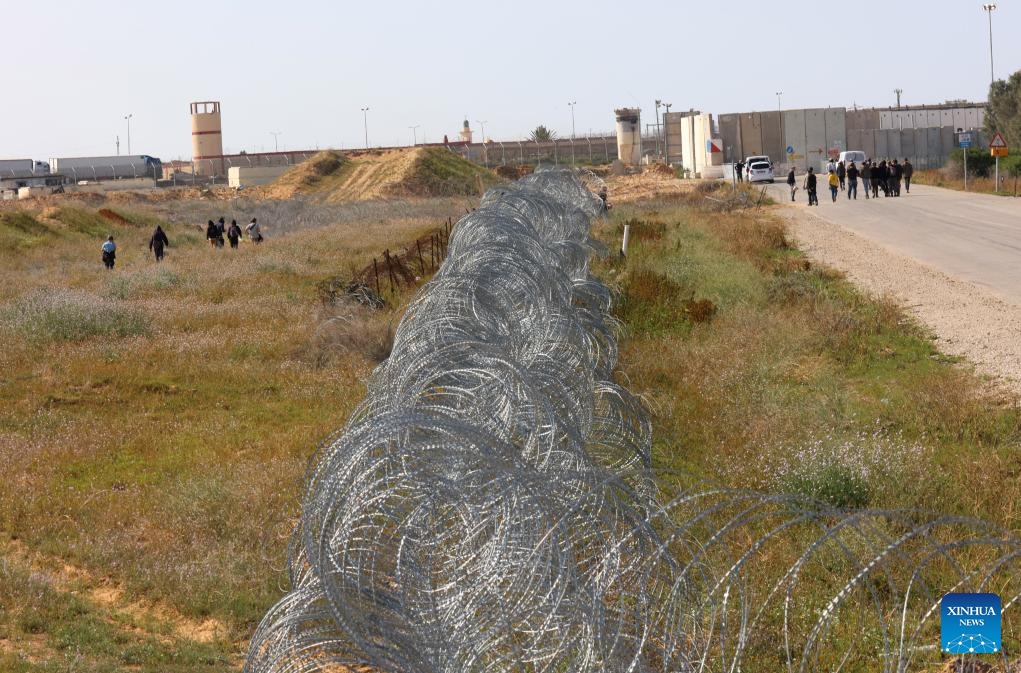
(895, 175)
(739, 169)
(213, 235)
(792, 182)
(852, 182)
(907, 170)
(866, 177)
(841, 174)
(158, 241)
(109, 252)
(810, 186)
(880, 175)
(234, 234)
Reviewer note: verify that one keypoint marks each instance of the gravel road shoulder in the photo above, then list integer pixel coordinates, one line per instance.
(968, 320)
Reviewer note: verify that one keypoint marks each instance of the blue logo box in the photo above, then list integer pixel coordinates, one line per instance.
(970, 623)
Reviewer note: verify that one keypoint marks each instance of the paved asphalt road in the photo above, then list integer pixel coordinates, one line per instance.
(974, 237)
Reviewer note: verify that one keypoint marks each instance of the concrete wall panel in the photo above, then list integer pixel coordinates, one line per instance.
(730, 133)
(881, 144)
(974, 118)
(815, 136)
(907, 144)
(751, 134)
(771, 136)
(836, 128)
(794, 133)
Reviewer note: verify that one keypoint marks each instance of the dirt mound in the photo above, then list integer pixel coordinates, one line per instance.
(362, 176)
(112, 216)
(320, 173)
(439, 172)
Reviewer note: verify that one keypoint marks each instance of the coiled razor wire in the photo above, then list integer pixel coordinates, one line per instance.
(490, 506)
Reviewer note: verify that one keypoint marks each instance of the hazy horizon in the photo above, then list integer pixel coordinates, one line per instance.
(305, 70)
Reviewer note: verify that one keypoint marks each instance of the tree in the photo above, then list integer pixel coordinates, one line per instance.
(1003, 111)
(541, 134)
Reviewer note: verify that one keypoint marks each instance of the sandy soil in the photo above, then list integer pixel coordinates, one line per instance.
(968, 320)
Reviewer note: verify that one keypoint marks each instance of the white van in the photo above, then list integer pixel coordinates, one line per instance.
(857, 156)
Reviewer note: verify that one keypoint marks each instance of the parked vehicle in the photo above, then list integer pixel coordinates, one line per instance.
(758, 169)
(847, 156)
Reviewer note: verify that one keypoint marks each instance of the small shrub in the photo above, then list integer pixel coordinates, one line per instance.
(848, 472)
(72, 315)
(652, 301)
(348, 328)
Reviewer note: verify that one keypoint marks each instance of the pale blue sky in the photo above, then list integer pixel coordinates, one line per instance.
(74, 69)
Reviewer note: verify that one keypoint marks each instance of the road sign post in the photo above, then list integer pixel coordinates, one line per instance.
(998, 148)
(964, 141)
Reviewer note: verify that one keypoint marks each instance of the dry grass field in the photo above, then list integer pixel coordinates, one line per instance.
(156, 420)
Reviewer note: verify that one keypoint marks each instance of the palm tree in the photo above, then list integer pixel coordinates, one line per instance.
(541, 134)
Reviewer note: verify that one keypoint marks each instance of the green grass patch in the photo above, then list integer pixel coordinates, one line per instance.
(84, 221)
(440, 172)
(20, 231)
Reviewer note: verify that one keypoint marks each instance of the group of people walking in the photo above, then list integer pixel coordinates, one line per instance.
(215, 234)
(216, 231)
(885, 176)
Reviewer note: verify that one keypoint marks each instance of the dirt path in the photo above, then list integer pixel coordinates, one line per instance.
(969, 320)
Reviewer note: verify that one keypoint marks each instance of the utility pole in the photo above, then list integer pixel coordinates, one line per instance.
(482, 125)
(666, 135)
(276, 145)
(658, 104)
(414, 134)
(990, 8)
(127, 118)
(571, 105)
(365, 114)
(898, 92)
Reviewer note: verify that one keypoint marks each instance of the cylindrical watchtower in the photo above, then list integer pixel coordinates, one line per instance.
(206, 138)
(629, 136)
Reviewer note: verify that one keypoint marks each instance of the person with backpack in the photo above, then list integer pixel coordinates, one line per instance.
(109, 249)
(233, 234)
(810, 187)
(157, 242)
(841, 174)
(834, 182)
(792, 182)
(254, 232)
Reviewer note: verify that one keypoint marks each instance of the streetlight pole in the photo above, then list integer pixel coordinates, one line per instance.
(571, 105)
(989, 9)
(482, 126)
(276, 145)
(414, 134)
(658, 103)
(127, 118)
(365, 114)
(666, 135)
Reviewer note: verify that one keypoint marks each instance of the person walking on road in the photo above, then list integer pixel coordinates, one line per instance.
(158, 241)
(834, 185)
(109, 252)
(866, 177)
(792, 183)
(852, 182)
(841, 174)
(907, 170)
(879, 179)
(233, 234)
(810, 187)
(895, 175)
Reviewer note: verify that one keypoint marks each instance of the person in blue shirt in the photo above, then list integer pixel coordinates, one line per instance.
(109, 252)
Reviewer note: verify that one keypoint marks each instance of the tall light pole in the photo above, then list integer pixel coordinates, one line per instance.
(276, 145)
(658, 103)
(365, 114)
(779, 123)
(571, 105)
(127, 118)
(666, 134)
(989, 9)
(482, 126)
(414, 134)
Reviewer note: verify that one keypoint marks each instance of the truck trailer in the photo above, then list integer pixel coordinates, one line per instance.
(107, 168)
